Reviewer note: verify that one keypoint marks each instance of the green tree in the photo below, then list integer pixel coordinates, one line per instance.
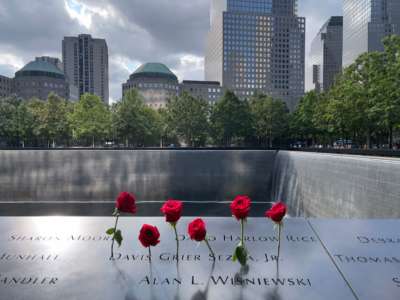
(304, 120)
(270, 118)
(8, 112)
(134, 123)
(36, 108)
(16, 122)
(51, 119)
(90, 119)
(230, 120)
(167, 133)
(351, 110)
(187, 118)
(56, 120)
(388, 85)
(152, 127)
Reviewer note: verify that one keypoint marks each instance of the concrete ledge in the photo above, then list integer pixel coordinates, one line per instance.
(199, 209)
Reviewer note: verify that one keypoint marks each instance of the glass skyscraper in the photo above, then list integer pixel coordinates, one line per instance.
(365, 24)
(257, 45)
(326, 54)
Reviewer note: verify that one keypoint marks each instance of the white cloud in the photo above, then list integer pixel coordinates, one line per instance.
(77, 12)
(84, 13)
(190, 67)
(124, 63)
(137, 31)
(120, 68)
(12, 61)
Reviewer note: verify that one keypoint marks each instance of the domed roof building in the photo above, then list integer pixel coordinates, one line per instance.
(39, 78)
(154, 70)
(40, 68)
(155, 82)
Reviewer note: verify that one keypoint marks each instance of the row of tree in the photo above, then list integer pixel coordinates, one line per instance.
(363, 106)
(185, 120)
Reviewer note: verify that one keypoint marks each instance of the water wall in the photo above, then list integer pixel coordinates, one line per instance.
(86, 182)
(79, 178)
(337, 186)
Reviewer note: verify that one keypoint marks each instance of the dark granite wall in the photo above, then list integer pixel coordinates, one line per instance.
(337, 186)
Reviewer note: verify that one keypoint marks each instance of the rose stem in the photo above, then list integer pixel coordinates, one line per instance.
(149, 254)
(279, 238)
(242, 231)
(113, 239)
(177, 242)
(209, 247)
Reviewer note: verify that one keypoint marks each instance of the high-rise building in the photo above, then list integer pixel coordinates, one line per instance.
(326, 54)
(6, 86)
(257, 45)
(85, 62)
(365, 24)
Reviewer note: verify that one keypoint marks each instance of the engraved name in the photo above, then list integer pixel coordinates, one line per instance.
(26, 280)
(367, 259)
(223, 280)
(43, 238)
(187, 257)
(378, 240)
(274, 239)
(28, 257)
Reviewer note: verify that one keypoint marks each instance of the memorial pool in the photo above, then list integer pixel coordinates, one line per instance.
(346, 248)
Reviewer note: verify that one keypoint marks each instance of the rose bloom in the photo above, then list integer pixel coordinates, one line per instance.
(276, 212)
(197, 230)
(149, 235)
(240, 207)
(172, 209)
(126, 203)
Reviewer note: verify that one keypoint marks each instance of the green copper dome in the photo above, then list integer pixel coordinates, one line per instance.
(40, 68)
(154, 70)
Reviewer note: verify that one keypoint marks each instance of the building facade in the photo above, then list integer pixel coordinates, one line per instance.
(155, 82)
(326, 54)
(38, 79)
(257, 46)
(365, 24)
(85, 62)
(6, 86)
(210, 91)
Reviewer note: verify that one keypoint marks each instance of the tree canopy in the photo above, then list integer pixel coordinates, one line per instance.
(361, 109)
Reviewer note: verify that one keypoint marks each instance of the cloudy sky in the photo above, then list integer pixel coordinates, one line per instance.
(137, 31)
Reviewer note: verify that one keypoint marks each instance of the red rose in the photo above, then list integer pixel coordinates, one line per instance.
(276, 212)
(126, 203)
(197, 230)
(172, 209)
(240, 207)
(149, 235)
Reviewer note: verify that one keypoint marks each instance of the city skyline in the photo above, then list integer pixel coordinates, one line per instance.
(132, 37)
